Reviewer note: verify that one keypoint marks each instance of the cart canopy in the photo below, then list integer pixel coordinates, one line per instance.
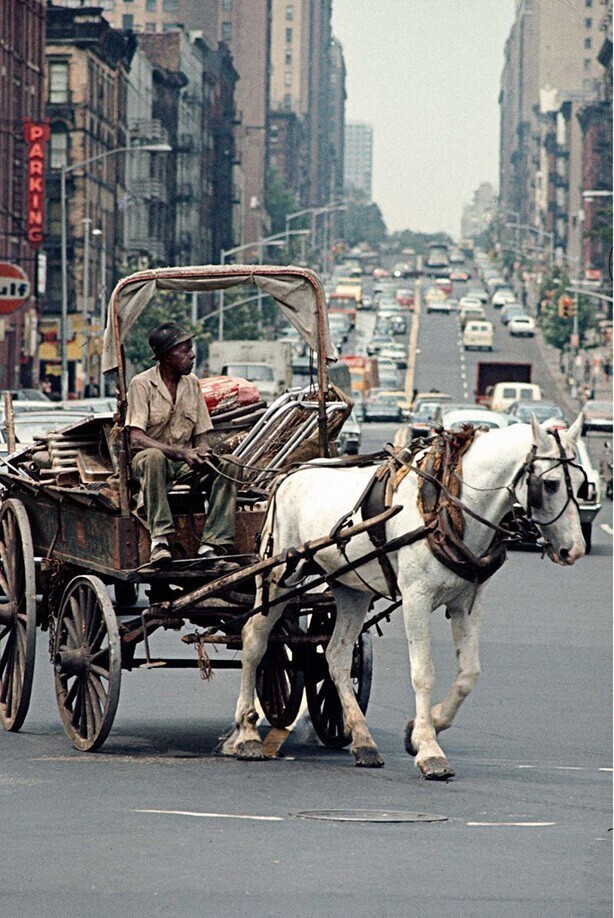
(298, 292)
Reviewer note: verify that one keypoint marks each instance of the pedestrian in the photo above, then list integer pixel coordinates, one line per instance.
(91, 389)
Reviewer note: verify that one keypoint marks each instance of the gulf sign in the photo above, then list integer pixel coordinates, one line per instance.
(37, 135)
(14, 287)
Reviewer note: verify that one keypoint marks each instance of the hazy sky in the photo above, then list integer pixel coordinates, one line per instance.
(425, 74)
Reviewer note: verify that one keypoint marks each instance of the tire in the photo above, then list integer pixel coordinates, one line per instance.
(587, 533)
(17, 614)
(279, 680)
(87, 663)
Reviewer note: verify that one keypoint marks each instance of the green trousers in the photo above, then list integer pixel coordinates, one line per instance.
(156, 475)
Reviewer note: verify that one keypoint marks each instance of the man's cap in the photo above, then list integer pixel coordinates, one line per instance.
(166, 336)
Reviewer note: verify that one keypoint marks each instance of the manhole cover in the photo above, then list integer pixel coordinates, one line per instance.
(371, 816)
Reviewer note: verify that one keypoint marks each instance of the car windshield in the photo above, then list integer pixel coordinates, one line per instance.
(541, 412)
(606, 407)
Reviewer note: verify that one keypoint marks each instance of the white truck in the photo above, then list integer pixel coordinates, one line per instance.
(268, 364)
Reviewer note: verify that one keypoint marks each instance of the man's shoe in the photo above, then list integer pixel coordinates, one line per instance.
(208, 551)
(159, 552)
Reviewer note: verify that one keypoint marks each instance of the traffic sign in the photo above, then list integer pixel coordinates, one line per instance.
(14, 287)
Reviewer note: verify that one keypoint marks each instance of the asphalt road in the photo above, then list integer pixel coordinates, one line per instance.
(154, 824)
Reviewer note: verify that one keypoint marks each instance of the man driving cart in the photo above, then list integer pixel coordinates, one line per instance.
(169, 427)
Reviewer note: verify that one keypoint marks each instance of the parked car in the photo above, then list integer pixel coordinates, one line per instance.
(348, 441)
(30, 395)
(32, 425)
(521, 411)
(459, 276)
(521, 326)
(405, 297)
(396, 353)
(597, 416)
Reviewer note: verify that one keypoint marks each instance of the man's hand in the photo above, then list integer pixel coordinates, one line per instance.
(196, 457)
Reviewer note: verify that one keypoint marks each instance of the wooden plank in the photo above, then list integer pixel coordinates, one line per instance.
(92, 466)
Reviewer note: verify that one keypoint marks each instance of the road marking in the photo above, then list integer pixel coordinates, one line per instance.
(607, 529)
(606, 769)
(522, 825)
(568, 768)
(212, 815)
(413, 340)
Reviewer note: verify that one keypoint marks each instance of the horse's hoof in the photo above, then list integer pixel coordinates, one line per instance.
(368, 757)
(251, 751)
(436, 769)
(409, 747)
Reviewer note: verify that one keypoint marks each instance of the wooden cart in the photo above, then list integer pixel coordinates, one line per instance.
(68, 533)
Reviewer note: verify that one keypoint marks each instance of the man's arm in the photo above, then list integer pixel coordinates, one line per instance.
(139, 441)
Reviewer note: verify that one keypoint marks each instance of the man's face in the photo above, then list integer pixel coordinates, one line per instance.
(180, 359)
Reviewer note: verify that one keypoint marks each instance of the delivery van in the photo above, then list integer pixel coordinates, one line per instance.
(478, 335)
(505, 393)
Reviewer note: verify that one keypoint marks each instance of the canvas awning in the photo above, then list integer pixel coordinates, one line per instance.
(298, 292)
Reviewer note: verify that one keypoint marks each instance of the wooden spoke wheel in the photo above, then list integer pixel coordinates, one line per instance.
(87, 662)
(17, 614)
(322, 696)
(280, 680)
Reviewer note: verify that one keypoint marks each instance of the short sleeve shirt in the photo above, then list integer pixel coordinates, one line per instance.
(151, 409)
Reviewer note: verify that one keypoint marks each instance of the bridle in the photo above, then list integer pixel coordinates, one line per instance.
(535, 483)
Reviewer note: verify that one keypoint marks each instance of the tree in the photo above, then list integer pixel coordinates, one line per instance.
(163, 307)
(364, 223)
(280, 200)
(557, 328)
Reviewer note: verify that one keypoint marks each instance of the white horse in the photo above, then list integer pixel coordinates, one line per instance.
(499, 467)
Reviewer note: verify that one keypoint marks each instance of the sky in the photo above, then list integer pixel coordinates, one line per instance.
(425, 75)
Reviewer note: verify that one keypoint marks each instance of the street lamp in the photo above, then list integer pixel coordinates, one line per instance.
(146, 148)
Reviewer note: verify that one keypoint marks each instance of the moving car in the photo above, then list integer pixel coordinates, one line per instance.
(383, 406)
(469, 313)
(520, 412)
(349, 437)
(503, 296)
(396, 352)
(521, 326)
(459, 276)
(505, 394)
(511, 311)
(597, 416)
(442, 306)
(455, 419)
(478, 334)
(405, 297)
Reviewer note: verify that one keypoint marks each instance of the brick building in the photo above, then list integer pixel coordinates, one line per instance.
(22, 71)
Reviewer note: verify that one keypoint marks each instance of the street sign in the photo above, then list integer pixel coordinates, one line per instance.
(14, 287)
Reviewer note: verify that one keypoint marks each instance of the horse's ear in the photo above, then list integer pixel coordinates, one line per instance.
(540, 437)
(575, 430)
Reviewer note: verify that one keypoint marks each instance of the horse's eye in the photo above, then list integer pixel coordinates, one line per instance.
(551, 486)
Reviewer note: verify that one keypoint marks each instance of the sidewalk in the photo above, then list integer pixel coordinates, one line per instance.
(571, 405)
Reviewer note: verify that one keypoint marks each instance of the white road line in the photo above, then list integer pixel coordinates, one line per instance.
(606, 769)
(522, 825)
(607, 529)
(568, 768)
(212, 815)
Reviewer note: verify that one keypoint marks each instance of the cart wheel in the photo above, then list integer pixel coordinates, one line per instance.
(322, 697)
(87, 662)
(126, 593)
(17, 614)
(279, 681)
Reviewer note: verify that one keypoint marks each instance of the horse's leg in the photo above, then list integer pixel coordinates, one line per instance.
(416, 614)
(245, 741)
(466, 623)
(352, 607)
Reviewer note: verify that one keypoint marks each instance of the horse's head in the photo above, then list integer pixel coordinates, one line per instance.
(549, 490)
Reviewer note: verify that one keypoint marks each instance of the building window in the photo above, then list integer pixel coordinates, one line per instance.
(150, 27)
(172, 27)
(288, 57)
(588, 23)
(588, 2)
(288, 34)
(587, 63)
(227, 31)
(288, 78)
(289, 11)
(58, 153)
(150, 5)
(287, 100)
(587, 42)
(227, 6)
(169, 6)
(58, 83)
(127, 22)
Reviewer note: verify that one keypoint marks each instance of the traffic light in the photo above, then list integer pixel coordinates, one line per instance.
(567, 307)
